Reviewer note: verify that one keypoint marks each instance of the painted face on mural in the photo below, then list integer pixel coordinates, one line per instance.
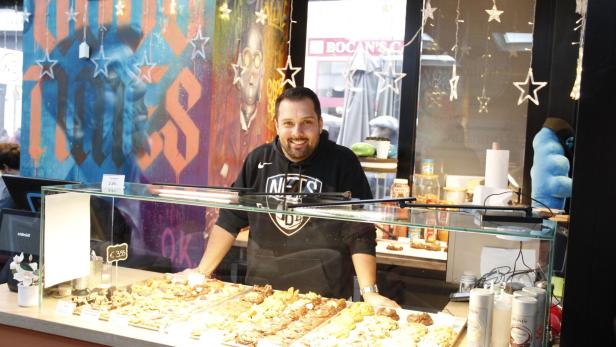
(298, 127)
(251, 59)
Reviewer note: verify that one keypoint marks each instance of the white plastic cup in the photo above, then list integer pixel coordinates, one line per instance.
(382, 149)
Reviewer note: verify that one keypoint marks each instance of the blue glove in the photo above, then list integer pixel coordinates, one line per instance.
(550, 181)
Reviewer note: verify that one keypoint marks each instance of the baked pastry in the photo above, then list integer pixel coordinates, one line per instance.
(422, 318)
(394, 247)
(388, 312)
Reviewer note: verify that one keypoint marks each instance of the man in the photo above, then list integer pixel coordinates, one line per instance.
(297, 251)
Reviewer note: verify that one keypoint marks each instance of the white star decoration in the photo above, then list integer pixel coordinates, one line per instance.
(100, 63)
(238, 71)
(71, 14)
(465, 50)
(26, 15)
(201, 41)
(390, 78)
(261, 16)
(453, 84)
(483, 102)
(494, 14)
(46, 65)
(284, 70)
(120, 8)
(147, 74)
(428, 12)
(529, 81)
(225, 11)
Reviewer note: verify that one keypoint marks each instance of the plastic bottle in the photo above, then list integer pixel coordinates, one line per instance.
(400, 189)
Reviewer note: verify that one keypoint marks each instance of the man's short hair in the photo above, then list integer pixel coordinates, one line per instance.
(300, 93)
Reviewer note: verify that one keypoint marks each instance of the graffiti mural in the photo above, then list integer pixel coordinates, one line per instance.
(145, 101)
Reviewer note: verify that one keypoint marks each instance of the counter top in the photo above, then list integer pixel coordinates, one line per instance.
(47, 321)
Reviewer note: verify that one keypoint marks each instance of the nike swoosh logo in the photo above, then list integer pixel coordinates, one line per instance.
(262, 165)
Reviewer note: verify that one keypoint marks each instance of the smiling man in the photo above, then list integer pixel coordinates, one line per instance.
(285, 251)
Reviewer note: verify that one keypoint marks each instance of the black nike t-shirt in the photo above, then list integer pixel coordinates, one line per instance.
(308, 253)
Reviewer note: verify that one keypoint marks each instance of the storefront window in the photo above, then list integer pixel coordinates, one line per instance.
(353, 61)
(11, 58)
(490, 56)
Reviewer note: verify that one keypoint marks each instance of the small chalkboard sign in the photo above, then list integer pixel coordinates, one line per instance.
(117, 252)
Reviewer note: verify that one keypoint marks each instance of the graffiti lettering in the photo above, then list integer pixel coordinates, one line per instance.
(179, 115)
(168, 247)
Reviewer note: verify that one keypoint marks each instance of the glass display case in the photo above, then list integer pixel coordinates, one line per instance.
(109, 287)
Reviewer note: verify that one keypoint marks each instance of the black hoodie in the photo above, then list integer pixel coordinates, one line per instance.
(309, 254)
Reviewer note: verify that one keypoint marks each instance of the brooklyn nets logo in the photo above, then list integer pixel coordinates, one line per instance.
(288, 224)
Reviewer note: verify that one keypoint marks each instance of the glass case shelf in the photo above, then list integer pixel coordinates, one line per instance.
(467, 220)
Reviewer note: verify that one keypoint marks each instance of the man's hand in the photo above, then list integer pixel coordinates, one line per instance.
(376, 299)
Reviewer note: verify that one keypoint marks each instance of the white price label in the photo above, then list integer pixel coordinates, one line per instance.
(90, 315)
(112, 183)
(65, 308)
(118, 319)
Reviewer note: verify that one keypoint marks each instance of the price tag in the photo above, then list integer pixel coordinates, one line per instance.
(112, 183)
(65, 308)
(118, 319)
(90, 315)
(117, 252)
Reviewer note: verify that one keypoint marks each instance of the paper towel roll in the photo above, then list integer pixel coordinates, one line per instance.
(497, 168)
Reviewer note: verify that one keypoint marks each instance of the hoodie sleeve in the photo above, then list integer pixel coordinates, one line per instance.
(234, 220)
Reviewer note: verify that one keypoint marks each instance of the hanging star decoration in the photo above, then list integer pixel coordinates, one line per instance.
(483, 101)
(494, 13)
(465, 50)
(428, 12)
(71, 14)
(513, 53)
(284, 71)
(46, 65)
(145, 74)
(198, 42)
(120, 8)
(100, 63)
(225, 11)
(26, 15)
(435, 97)
(453, 84)
(261, 16)
(530, 82)
(390, 78)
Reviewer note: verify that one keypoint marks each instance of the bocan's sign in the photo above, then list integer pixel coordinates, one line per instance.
(346, 47)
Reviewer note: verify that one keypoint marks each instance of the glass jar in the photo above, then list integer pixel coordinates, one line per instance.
(426, 188)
